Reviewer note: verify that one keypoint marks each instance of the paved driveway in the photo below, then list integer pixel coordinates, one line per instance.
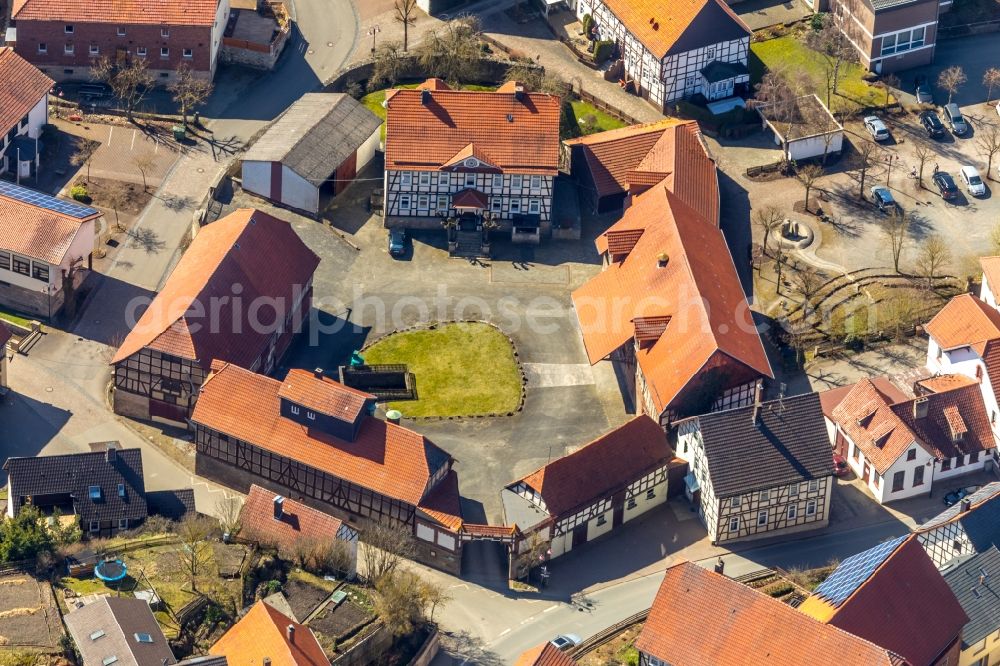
(759, 14)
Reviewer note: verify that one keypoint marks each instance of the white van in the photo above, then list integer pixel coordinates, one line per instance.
(973, 182)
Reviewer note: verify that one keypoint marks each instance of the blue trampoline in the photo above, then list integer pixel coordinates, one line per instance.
(111, 571)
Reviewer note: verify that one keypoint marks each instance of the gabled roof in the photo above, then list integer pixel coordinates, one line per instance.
(298, 523)
(965, 321)
(315, 135)
(678, 26)
(831, 398)
(40, 226)
(250, 249)
(787, 443)
(263, 633)
(976, 584)
(698, 288)
(324, 395)
(76, 473)
(141, 12)
(894, 596)
(736, 625)
(991, 271)
(519, 135)
(110, 626)
(387, 458)
(610, 462)
(545, 654)
(981, 523)
(22, 86)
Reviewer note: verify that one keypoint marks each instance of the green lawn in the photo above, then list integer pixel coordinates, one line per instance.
(589, 119)
(460, 369)
(790, 54)
(15, 319)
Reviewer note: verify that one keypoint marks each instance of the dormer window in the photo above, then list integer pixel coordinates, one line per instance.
(295, 409)
(311, 415)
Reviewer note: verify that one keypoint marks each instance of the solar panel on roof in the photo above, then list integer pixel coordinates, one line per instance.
(854, 571)
(42, 200)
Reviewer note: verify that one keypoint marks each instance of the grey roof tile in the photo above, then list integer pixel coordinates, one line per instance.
(976, 583)
(109, 628)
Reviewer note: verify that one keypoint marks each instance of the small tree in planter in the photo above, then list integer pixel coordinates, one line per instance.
(450, 223)
(490, 223)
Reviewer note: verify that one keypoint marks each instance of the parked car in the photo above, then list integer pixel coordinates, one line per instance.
(959, 494)
(566, 641)
(876, 128)
(840, 467)
(946, 185)
(923, 93)
(397, 242)
(974, 184)
(955, 119)
(882, 196)
(932, 124)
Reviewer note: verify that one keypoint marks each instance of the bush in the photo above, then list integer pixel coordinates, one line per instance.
(816, 21)
(588, 23)
(603, 50)
(854, 342)
(79, 193)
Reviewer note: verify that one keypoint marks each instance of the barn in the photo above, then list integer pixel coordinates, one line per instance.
(312, 151)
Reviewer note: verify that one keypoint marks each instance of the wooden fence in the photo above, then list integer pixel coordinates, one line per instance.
(607, 635)
(605, 107)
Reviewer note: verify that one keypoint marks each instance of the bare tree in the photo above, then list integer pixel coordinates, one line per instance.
(988, 142)
(227, 509)
(832, 44)
(889, 83)
(896, 227)
(924, 154)
(453, 51)
(128, 83)
(399, 601)
(806, 281)
(769, 219)
(778, 96)
(116, 197)
(384, 546)
(864, 160)
(537, 79)
(808, 175)
(934, 258)
(83, 152)
(189, 91)
(991, 79)
(405, 12)
(433, 596)
(144, 162)
(898, 310)
(951, 79)
(193, 533)
(387, 65)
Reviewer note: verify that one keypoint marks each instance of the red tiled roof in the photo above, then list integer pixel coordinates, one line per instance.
(610, 462)
(681, 25)
(940, 383)
(698, 288)
(134, 12)
(621, 241)
(323, 395)
(422, 136)
(904, 605)
(611, 155)
(545, 654)
(700, 617)
(469, 198)
(37, 232)
(249, 248)
(298, 523)
(965, 321)
(443, 502)
(387, 458)
(830, 398)
(262, 633)
(22, 86)
(649, 329)
(991, 270)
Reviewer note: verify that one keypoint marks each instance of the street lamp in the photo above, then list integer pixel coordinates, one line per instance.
(889, 158)
(372, 31)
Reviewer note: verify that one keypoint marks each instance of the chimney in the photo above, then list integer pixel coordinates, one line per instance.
(290, 632)
(519, 93)
(318, 373)
(662, 259)
(965, 505)
(393, 416)
(720, 567)
(920, 408)
(266, 661)
(425, 97)
(111, 452)
(279, 507)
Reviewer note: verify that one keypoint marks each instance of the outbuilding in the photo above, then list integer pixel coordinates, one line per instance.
(313, 150)
(804, 128)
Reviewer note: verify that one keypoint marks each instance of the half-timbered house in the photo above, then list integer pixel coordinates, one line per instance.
(318, 442)
(239, 294)
(471, 157)
(759, 471)
(588, 493)
(968, 527)
(668, 309)
(670, 51)
(901, 448)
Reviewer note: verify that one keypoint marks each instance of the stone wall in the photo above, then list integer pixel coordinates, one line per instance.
(28, 301)
(130, 405)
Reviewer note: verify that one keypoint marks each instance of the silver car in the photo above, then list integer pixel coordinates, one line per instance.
(953, 115)
(876, 128)
(973, 182)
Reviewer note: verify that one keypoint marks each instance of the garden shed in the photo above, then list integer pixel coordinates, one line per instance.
(803, 127)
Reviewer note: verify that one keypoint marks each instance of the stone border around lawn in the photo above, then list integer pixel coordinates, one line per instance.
(444, 322)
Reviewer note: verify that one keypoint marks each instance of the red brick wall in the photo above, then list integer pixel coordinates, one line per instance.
(105, 36)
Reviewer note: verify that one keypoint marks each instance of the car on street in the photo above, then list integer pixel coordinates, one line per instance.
(876, 128)
(397, 242)
(946, 185)
(564, 642)
(840, 467)
(955, 120)
(882, 196)
(923, 93)
(932, 124)
(959, 494)
(974, 184)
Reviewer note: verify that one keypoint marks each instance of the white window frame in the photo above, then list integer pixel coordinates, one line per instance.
(764, 495)
(536, 183)
(164, 52)
(535, 207)
(140, 51)
(69, 49)
(811, 508)
(187, 54)
(68, 29)
(123, 523)
(793, 511)
(95, 526)
(444, 179)
(121, 31)
(470, 180)
(496, 204)
(813, 485)
(734, 524)
(423, 202)
(762, 518)
(442, 202)
(516, 180)
(498, 180)
(735, 502)
(651, 494)
(425, 178)
(405, 178)
(515, 205)
(164, 33)
(43, 47)
(793, 490)
(94, 49)
(404, 202)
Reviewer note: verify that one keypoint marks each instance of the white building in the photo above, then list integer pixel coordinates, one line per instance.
(24, 109)
(588, 493)
(901, 448)
(759, 471)
(805, 130)
(670, 55)
(989, 288)
(45, 243)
